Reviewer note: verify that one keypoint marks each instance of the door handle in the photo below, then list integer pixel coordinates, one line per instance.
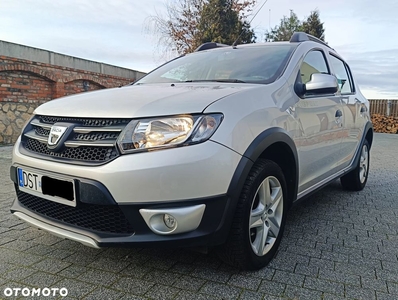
(339, 116)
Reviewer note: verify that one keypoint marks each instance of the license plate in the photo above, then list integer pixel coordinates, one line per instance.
(29, 180)
(47, 186)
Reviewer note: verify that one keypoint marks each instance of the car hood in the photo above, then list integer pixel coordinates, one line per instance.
(141, 100)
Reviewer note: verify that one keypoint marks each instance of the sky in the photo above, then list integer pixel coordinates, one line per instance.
(363, 32)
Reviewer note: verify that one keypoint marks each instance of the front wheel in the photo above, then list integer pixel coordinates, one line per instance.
(357, 178)
(259, 219)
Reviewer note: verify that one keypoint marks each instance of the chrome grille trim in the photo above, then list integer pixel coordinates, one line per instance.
(75, 144)
(33, 135)
(96, 129)
(37, 123)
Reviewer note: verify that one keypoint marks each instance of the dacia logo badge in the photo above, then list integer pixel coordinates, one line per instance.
(56, 134)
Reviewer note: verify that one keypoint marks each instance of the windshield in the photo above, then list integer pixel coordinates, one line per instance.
(262, 64)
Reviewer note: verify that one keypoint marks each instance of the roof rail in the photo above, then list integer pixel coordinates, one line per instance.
(299, 37)
(210, 45)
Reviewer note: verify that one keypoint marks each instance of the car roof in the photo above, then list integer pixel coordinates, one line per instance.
(296, 39)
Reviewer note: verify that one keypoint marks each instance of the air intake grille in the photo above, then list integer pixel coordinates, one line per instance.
(91, 141)
(102, 218)
(87, 154)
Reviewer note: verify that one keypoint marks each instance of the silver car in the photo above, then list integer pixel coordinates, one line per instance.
(210, 149)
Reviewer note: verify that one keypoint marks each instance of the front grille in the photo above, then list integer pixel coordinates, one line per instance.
(42, 131)
(87, 154)
(91, 141)
(107, 219)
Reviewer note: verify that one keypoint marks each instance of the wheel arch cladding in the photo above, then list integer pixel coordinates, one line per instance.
(369, 133)
(274, 144)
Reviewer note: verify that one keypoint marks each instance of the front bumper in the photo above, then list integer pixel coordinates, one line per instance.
(109, 197)
(125, 229)
(176, 174)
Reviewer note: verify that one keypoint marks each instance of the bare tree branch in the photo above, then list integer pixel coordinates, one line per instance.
(180, 28)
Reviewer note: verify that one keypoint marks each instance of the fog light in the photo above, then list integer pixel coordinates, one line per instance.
(169, 221)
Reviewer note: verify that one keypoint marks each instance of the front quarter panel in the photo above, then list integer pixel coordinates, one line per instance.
(248, 114)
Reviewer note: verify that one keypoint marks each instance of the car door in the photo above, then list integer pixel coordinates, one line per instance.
(320, 117)
(352, 104)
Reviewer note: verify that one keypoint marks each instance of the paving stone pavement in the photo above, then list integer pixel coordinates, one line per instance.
(337, 245)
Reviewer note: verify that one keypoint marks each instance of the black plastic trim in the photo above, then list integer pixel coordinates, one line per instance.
(264, 140)
(13, 174)
(94, 234)
(94, 192)
(211, 231)
(210, 45)
(368, 126)
(299, 37)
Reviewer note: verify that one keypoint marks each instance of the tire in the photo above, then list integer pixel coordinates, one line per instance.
(357, 178)
(260, 212)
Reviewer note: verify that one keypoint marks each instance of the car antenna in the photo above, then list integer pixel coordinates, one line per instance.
(234, 43)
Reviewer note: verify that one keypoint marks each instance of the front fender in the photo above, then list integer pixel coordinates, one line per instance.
(265, 140)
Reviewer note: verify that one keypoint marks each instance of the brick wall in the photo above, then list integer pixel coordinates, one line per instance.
(26, 84)
(24, 87)
(79, 86)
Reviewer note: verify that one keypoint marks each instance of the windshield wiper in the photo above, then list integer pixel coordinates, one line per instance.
(217, 80)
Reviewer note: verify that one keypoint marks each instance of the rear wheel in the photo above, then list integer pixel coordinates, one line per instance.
(259, 219)
(357, 178)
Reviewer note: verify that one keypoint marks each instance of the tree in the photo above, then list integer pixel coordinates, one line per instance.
(189, 23)
(219, 22)
(285, 30)
(314, 26)
(288, 25)
(177, 29)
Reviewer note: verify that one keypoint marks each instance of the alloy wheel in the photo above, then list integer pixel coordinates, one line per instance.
(266, 216)
(364, 164)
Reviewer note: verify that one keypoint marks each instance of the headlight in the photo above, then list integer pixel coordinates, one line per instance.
(164, 132)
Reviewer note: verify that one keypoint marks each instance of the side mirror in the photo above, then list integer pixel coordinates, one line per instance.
(322, 84)
(319, 84)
